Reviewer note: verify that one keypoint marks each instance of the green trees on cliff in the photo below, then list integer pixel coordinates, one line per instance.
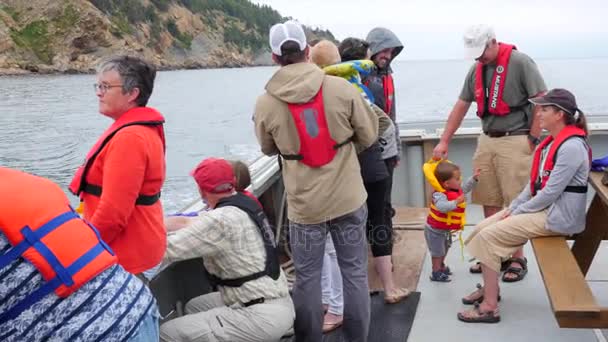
(245, 24)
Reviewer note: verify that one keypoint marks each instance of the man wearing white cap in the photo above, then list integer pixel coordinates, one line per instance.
(314, 121)
(501, 81)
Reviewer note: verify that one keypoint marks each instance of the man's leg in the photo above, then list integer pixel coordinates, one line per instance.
(200, 327)
(307, 247)
(487, 192)
(204, 303)
(348, 234)
(514, 159)
(263, 322)
(186, 327)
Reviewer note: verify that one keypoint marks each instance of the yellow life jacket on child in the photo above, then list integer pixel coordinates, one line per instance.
(453, 220)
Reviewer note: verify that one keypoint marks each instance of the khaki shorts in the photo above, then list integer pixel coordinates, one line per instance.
(505, 169)
(493, 239)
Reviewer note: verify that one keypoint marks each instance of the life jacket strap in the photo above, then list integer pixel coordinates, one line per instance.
(300, 157)
(579, 189)
(63, 275)
(96, 190)
(238, 281)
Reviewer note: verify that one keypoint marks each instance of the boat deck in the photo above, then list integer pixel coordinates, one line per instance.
(526, 314)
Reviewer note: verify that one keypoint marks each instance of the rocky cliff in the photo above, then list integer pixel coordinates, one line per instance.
(71, 36)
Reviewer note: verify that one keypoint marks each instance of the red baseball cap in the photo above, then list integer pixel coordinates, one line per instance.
(214, 175)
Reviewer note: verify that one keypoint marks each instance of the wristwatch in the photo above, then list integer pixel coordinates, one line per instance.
(534, 140)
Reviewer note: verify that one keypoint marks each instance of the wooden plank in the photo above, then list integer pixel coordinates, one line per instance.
(569, 294)
(409, 218)
(595, 321)
(595, 180)
(586, 243)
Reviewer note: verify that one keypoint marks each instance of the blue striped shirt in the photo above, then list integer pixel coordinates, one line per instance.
(110, 307)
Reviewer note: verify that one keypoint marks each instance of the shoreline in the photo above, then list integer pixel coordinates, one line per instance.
(36, 70)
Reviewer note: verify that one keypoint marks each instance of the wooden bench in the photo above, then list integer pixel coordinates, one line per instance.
(563, 269)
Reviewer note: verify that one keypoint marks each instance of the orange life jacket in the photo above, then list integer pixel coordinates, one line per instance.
(453, 220)
(144, 116)
(42, 228)
(317, 148)
(490, 100)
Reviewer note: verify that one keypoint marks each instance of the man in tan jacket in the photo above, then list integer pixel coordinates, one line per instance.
(314, 121)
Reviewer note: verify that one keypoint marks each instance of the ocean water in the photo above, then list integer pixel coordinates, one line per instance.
(49, 122)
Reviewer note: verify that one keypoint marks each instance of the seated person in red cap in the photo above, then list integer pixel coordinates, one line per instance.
(243, 181)
(237, 246)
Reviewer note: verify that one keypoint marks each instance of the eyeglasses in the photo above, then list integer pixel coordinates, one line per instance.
(103, 88)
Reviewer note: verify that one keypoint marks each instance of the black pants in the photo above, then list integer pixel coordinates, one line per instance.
(379, 233)
(389, 211)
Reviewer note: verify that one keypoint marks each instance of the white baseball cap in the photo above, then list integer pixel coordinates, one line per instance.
(476, 38)
(286, 32)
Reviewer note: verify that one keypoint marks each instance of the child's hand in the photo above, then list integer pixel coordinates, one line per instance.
(460, 199)
(476, 173)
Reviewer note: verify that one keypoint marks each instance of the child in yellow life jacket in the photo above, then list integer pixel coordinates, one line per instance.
(447, 211)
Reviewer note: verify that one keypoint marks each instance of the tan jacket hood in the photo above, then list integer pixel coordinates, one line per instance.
(296, 83)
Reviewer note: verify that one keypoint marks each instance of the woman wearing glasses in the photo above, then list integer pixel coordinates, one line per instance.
(119, 184)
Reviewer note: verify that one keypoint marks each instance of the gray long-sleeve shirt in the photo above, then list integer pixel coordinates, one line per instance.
(440, 200)
(566, 209)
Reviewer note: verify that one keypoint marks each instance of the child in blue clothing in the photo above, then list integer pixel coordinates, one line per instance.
(447, 211)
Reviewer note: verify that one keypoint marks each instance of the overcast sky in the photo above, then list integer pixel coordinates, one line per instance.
(432, 29)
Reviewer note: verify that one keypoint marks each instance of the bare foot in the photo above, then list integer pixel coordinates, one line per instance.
(474, 296)
(395, 296)
(331, 322)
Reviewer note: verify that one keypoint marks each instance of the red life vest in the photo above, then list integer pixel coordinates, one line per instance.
(453, 220)
(44, 230)
(143, 116)
(491, 100)
(317, 148)
(536, 182)
(389, 92)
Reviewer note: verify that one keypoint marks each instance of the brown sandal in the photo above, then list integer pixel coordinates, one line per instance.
(478, 299)
(475, 315)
